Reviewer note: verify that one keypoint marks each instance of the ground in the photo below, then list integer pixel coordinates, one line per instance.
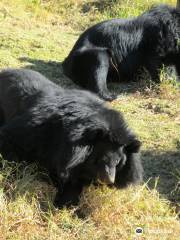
(38, 35)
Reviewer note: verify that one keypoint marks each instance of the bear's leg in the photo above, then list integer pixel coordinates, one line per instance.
(90, 70)
(132, 171)
(68, 195)
(98, 74)
(154, 67)
(178, 70)
(100, 83)
(1, 117)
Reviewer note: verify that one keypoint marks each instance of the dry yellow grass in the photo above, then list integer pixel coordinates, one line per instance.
(107, 214)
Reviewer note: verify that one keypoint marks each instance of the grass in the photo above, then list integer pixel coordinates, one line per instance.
(38, 35)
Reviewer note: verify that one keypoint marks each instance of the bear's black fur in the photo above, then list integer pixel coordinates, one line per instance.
(119, 47)
(72, 133)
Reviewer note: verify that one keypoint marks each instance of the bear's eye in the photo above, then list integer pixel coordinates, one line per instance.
(106, 158)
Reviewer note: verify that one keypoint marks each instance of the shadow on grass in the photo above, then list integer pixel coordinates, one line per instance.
(163, 169)
(53, 70)
(100, 5)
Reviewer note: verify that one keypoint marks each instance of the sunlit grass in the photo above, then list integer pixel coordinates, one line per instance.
(107, 213)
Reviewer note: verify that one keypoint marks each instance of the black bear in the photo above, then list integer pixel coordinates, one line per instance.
(117, 48)
(71, 133)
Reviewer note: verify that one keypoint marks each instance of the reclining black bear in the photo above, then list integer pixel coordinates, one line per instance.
(116, 49)
(72, 133)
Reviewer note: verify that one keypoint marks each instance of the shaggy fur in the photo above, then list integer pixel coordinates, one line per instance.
(72, 133)
(117, 48)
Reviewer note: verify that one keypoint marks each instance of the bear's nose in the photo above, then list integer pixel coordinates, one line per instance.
(110, 175)
(107, 175)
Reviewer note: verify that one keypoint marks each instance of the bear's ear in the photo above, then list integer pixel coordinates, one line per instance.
(133, 146)
(95, 134)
